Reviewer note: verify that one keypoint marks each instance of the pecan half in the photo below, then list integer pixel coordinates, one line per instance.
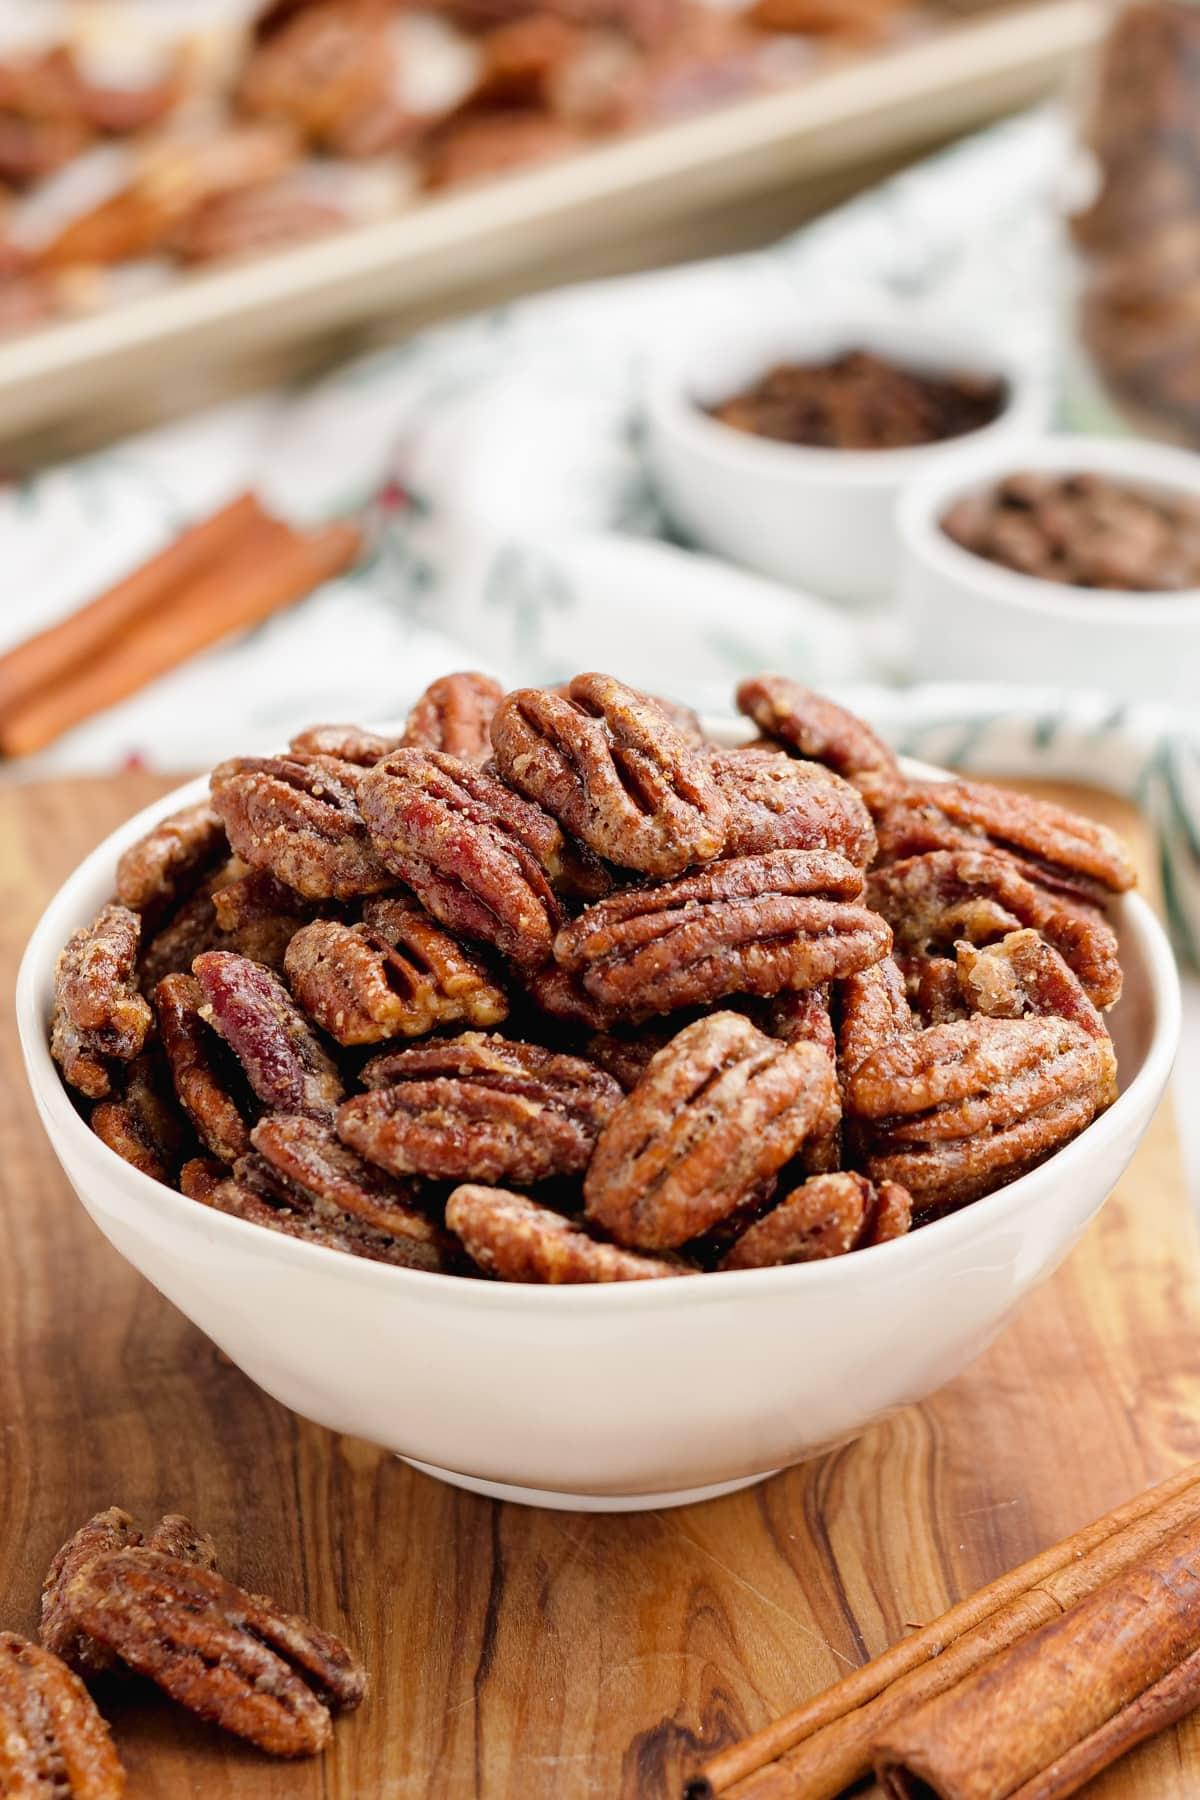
(454, 714)
(513, 1238)
(207, 1077)
(563, 997)
(258, 916)
(829, 1215)
(615, 771)
(99, 1016)
(625, 1052)
(933, 900)
(345, 743)
(184, 935)
(298, 817)
(232, 1657)
(478, 1108)
(778, 803)
(872, 1009)
(143, 1126)
(749, 925)
(1022, 974)
(163, 867)
(804, 1017)
(818, 729)
(718, 1112)
(397, 974)
(112, 1529)
(53, 1742)
(252, 1010)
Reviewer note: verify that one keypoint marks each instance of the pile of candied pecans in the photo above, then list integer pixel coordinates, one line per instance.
(553, 988)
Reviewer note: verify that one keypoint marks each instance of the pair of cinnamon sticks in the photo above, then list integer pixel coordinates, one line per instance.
(221, 576)
(1023, 1691)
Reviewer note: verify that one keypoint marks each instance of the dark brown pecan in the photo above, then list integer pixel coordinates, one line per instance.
(252, 1010)
(957, 1110)
(563, 997)
(164, 867)
(626, 1050)
(232, 1657)
(933, 900)
(53, 1743)
(298, 817)
(515, 1239)
(872, 1009)
(112, 1529)
(749, 925)
(716, 1115)
(830, 1215)
(144, 1126)
(778, 803)
(99, 1015)
(816, 728)
(454, 714)
(258, 916)
(1052, 846)
(186, 933)
(206, 1075)
(345, 743)
(397, 974)
(479, 1108)
(1023, 975)
(933, 988)
(614, 771)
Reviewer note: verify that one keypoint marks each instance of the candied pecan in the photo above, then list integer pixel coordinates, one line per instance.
(829, 1215)
(53, 1742)
(163, 867)
(563, 997)
(873, 1008)
(345, 743)
(199, 1176)
(174, 947)
(112, 1529)
(625, 1051)
(258, 916)
(1052, 846)
(99, 1015)
(479, 1108)
(933, 988)
(752, 925)
(252, 1010)
(1022, 974)
(143, 1126)
(717, 1113)
(957, 1110)
(803, 1017)
(206, 1075)
(613, 769)
(778, 803)
(298, 817)
(454, 714)
(397, 974)
(512, 1237)
(934, 899)
(818, 729)
(232, 1657)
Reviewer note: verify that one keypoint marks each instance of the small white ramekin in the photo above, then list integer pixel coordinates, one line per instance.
(823, 520)
(972, 619)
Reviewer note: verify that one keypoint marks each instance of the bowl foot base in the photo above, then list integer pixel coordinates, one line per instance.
(597, 1503)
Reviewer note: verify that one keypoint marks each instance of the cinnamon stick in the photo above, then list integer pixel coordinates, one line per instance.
(825, 1744)
(1051, 1710)
(42, 660)
(269, 567)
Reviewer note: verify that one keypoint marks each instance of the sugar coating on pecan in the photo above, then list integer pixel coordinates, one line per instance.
(112, 1529)
(749, 925)
(817, 728)
(184, 934)
(804, 1017)
(231, 1657)
(99, 1016)
(395, 974)
(274, 1043)
(53, 1742)
(206, 1076)
(614, 771)
(829, 1215)
(872, 1009)
(934, 989)
(298, 817)
(718, 1112)
(933, 900)
(779, 803)
(143, 1126)
(454, 714)
(479, 1108)
(311, 1169)
(163, 867)
(1023, 974)
(345, 743)
(515, 1239)
(258, 916)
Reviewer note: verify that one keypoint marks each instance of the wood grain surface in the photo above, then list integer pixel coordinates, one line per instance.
(523, 1655)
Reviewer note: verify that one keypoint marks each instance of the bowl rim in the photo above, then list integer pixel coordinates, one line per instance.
(921, 505)
(62, 913)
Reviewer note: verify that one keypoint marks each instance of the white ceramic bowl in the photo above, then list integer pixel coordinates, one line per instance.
(972, 619)
(817, 519)
(610, 1397)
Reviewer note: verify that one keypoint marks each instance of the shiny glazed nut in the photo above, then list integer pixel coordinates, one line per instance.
(829, 1215)
(749, 925)
(345, 743)
(454, 714)
(1020, 975)
(143, 1126)
(804, 1018)
(112, 1529)
(779, 803)
(816, 728)
(513, 1238)
(163, 867)
(298, 817)
(614, 771)
(232, 1657)
(206, 1076)
(873, 1008)
(718, 1112)
(272, 1040)
(479, 1108)
(53, 1742)
(99, 1015)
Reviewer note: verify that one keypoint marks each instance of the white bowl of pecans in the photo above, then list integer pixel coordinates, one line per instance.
(597, 1107)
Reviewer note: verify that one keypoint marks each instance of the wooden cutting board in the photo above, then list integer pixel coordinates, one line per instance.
(521, 1655)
